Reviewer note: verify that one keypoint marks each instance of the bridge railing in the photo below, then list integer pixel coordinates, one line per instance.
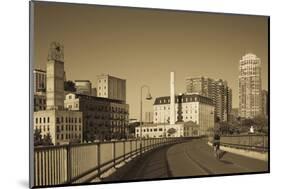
(251, 142)
(66, 164)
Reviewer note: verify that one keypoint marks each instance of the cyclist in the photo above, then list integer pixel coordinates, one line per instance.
(216, 144)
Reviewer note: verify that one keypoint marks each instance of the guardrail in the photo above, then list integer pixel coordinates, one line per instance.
(70, 164)
(250, 142)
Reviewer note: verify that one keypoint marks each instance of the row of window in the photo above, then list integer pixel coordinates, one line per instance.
(168, 108)
(42, 120)
(184, 99)
(68, 119)
(68, 136)
(68, 128)
(43, 128)
(195, 111)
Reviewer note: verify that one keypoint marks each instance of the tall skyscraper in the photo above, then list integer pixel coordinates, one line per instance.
(217, 90)
(250, 86)
(265, 103)
(111, 87)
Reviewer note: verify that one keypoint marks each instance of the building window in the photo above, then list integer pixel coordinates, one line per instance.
(79, 120)
(48, 120)
(36, 120)
(62, 136)
(57, 120)
(155, 129)
(70, 97)
(62, 127)
(40, 120)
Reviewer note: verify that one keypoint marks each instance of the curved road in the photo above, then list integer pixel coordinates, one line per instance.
(191, 158)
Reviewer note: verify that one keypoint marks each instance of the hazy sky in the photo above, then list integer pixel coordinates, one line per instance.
(143, 45)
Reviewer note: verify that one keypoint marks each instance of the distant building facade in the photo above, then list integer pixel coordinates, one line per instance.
(217, 90)
(166, 130)
(103, 118)
(189, 108)
(83, 87)
(39, 81)
(62, 125)
(265, 103)
(250, 102)
(94, 92)
(148, 117)
(111, 87)
(39, 101)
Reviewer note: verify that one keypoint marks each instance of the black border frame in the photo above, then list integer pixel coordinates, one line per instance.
(31, 96)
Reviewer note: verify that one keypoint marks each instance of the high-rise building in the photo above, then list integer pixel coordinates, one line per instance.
(265, 103)
(250, 102)
(83, 87)
(217, 90)
(62, 125)
(111, 87)
(39, 80)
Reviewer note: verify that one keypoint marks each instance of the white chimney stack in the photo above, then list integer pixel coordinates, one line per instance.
(172, 98)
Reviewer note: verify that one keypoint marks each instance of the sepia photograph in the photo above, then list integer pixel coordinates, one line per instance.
(124, 94)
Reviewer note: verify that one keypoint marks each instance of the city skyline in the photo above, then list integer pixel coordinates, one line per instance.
(150, 43)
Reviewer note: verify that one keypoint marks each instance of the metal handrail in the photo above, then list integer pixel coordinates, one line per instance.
(66, 150)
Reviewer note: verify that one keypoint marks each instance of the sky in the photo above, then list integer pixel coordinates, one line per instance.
(144, 45)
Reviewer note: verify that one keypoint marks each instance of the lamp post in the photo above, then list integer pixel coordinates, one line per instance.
(148, 97)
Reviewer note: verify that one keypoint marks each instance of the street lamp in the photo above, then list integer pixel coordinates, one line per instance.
(148, 97)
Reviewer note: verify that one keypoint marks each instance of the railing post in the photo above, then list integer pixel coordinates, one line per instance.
(98, 158)
(124, 150)
(69, 168)
(114, 154)
(131, 149)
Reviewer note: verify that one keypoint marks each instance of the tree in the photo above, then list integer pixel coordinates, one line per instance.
(47, 140)
(171, 131)
(37, 137)
(69, 86)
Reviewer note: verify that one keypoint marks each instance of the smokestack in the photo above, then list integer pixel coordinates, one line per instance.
(172, 98)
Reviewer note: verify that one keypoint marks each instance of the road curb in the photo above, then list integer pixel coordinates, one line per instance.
(243, 152)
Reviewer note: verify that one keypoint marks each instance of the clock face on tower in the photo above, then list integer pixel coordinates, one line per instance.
(56, 52)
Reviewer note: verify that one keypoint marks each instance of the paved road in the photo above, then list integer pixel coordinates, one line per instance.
(192, 158)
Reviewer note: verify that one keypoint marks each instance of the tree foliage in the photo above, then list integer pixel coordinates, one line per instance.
(69, 86)
(42, 141)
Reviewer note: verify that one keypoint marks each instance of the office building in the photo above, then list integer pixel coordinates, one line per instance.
(265, 103)
(39, 101)
(216, 89)
(39, 81)
(111, 87)
(103, 118)
(250, 102)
